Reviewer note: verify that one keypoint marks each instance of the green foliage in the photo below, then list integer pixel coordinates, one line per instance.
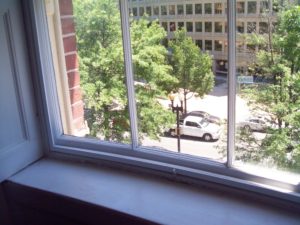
(99, 39)
(278, 59)
(190, 66)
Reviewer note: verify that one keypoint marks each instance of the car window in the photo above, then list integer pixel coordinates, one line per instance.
(191, 124)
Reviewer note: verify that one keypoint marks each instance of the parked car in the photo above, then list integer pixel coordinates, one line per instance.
(256, 124)
(202, 114)
(196, 126)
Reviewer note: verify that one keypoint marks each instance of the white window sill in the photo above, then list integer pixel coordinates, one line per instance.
(151, 198)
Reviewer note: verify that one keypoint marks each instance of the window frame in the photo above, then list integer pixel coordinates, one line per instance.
(170, 164)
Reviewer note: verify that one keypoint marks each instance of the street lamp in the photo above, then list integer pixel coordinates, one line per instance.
(177, 109)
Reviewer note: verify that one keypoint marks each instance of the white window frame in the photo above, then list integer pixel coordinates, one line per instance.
(170, 164)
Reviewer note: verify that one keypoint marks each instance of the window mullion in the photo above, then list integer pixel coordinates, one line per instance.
(231, 17)
(129, 72)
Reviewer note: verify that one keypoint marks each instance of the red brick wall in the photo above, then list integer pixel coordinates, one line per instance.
(70, 49)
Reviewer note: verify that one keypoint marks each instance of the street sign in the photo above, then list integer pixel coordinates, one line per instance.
(245, 79)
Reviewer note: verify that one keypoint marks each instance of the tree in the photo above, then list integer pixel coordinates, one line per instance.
(191, 67)
(278, 59)
(100, 50)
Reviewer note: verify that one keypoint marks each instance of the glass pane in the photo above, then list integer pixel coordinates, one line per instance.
(89, 65)
(185, 68)
(218, 27)
(198, 8)
(252, 7)
(207, 8)
(218, 8)
(189, 9)
(268, 77)
(180, 10)
(208, 27)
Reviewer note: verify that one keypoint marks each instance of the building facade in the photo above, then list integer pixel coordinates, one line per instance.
(206, 22)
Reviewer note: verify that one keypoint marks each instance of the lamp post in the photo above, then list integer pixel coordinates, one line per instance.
(177, 109)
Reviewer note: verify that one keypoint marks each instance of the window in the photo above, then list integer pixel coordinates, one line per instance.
(218, 45)
(208, 27)
(198, 8)
(198, 26)
(251, 7)
(199, 43)
(264, 7)
(263, 27)
(240, 27)
(189, 9)
(180, 10)
(171, 9)
(172, 26)
(240, 7)
(191, 124)
(218, 8)
(141, 11)
(118, 89)
(180, 25)
(251, 27)
(155, 10)
(134, 11)
(189, 26)
(165, 25)
(207, 8)
(218, 27)
(208, 45)
(163, 10)
(149, 10)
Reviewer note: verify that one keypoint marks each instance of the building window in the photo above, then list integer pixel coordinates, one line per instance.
(263, 27)
(199, 44)
(156, 10)
(218, 8)
(165, 26)
(180, 10)
(134, 11)
(172, 26)
(149, 10)
(198, 26)
(141, 11)
(189, 9)
(171, 9)
(218, 27)
(208, 45)
(163, 10)
(240, 27)
(252, 7)
(251, 27)
(198, 8)
(208, 27)
(189, 26)
(240, 7)
(218, 46)
(180, 25)
(208, 8)
(264, 7)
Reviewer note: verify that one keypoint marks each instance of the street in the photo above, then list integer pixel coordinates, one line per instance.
(189, 145)
(215, 103)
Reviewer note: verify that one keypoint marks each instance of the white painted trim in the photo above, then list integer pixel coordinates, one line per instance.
(129, 73)
(231, 21)
(177, 166)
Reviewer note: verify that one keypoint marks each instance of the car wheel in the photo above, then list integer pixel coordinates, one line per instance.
(207, 137)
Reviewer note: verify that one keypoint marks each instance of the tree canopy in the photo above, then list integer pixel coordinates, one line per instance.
(191, 67)
(98, 33)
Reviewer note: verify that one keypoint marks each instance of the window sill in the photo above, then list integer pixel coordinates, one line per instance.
(150, 198)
